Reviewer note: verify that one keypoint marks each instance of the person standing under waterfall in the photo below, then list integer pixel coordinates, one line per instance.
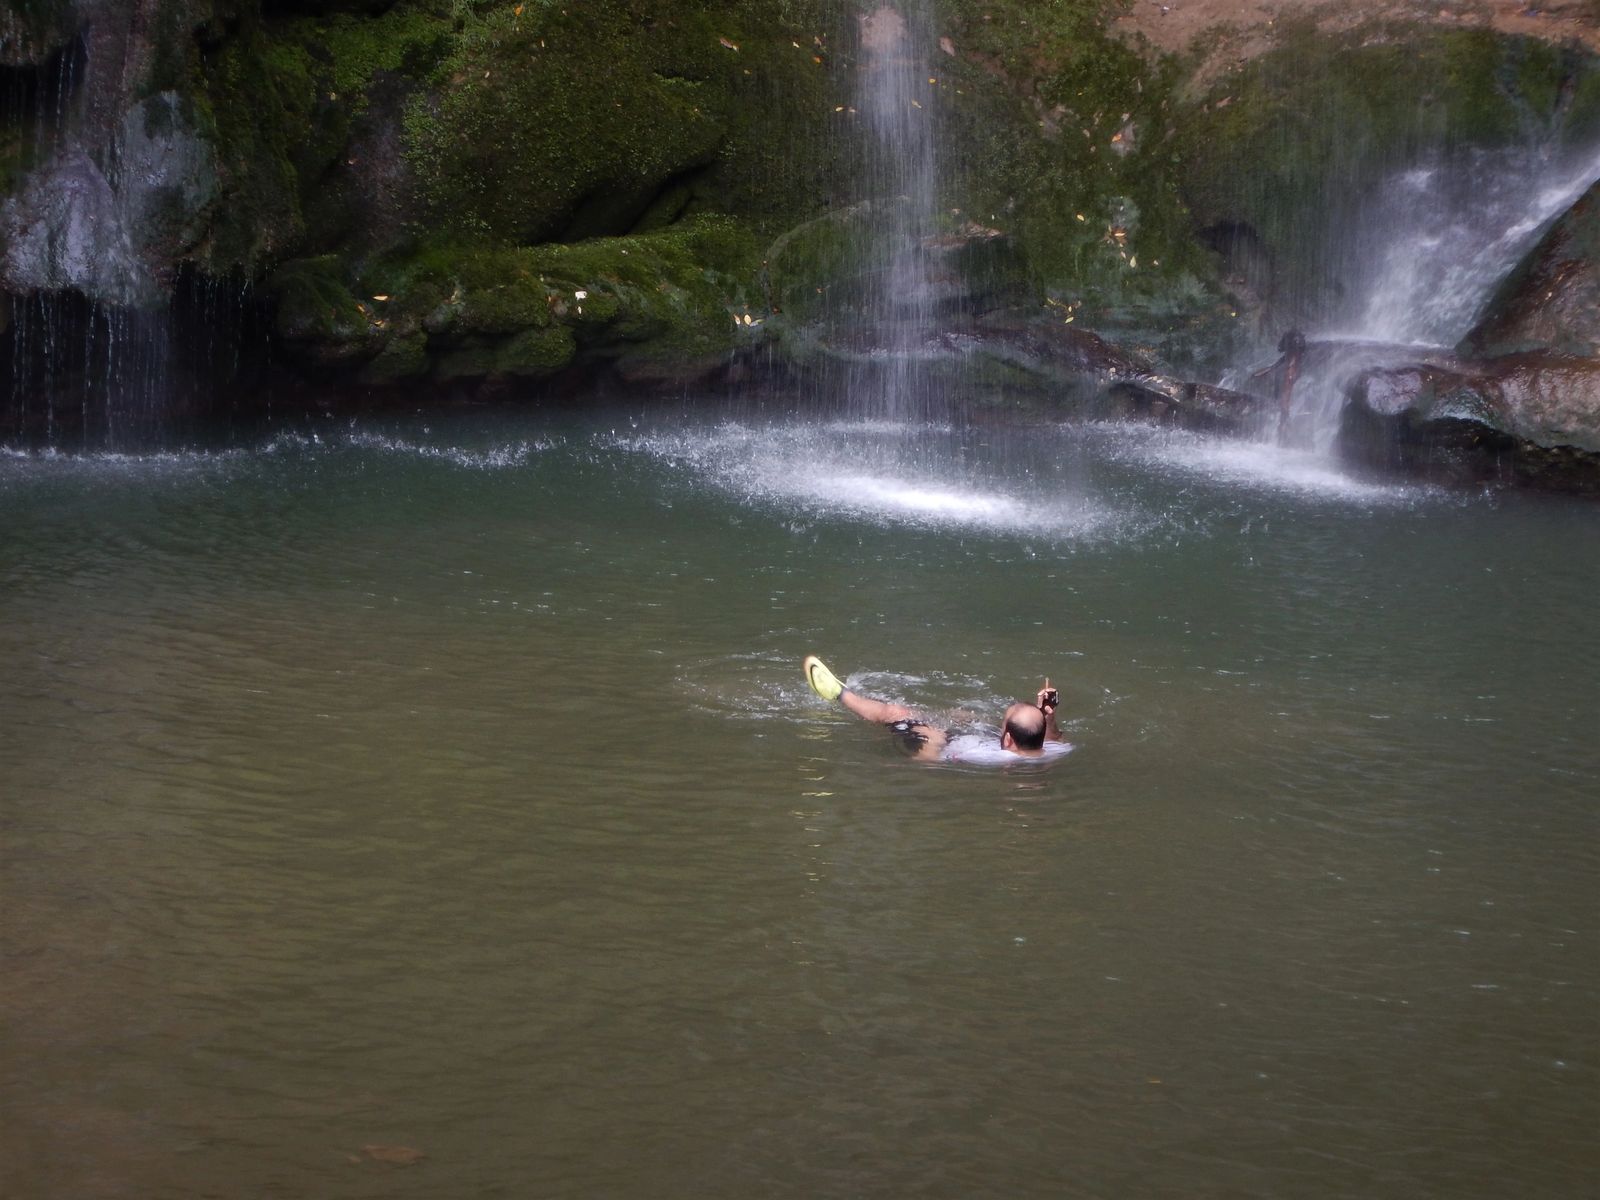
(1028, 731)
(1291, 347)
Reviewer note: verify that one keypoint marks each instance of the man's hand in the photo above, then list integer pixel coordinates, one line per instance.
(1047, 702)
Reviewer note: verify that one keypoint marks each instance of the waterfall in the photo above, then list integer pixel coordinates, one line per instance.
(902, 185)
(1424, 256)
(91, 352)
(1438, 238)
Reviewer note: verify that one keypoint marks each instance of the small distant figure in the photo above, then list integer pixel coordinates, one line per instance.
(1291, 347)
(1029, 731)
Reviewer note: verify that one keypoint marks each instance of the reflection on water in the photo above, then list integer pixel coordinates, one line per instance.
(456, 789)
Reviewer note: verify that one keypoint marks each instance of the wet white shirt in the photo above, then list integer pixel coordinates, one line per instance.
(984, 750)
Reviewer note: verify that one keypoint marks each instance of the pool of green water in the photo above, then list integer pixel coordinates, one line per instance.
(450, 786)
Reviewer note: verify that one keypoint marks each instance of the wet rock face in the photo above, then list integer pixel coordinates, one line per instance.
(111, 235)
(1551, 302)
(1522, 420)
(65, 230)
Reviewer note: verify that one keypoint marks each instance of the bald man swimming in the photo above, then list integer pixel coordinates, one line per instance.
(1027, 731)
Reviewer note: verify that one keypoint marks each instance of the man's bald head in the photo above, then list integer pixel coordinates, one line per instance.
(1025, 724)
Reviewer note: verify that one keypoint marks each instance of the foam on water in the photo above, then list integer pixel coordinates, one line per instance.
(36, 466)
(55, 463)
(880, 474)
(488, 458)
(1261, 465)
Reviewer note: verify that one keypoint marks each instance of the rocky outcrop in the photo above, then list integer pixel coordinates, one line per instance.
(667, 308)
(1522, 420)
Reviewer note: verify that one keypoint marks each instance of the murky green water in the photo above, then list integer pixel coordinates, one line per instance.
(456, 789)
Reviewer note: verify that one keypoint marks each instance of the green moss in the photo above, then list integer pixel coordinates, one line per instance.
(1063, 138)
(574, 120)
(476, 360)
(530, 311)
(257, 101)
(313, 303)
(402, 359)
(409, 39)
(537, 352)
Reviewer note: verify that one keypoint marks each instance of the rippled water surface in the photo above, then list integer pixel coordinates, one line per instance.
(454, 789)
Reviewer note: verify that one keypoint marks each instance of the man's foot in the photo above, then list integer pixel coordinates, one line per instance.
(821, 679)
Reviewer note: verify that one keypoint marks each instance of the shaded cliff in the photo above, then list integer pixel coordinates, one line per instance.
(396, 198)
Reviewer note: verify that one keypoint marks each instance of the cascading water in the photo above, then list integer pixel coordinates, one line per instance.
(1424, 257)
(1440, 237)
(93, 345)
(902, 186)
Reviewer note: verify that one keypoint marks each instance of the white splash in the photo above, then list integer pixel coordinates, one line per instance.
(1438, 239)
(881, 475)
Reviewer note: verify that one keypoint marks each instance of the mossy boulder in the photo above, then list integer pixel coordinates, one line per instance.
(666, 306)
(403, 359)
(576, 121)
(536, 353)
(319, 321)
(1065, 140)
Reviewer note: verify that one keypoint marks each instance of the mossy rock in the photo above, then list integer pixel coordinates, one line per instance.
(318, 319)
(672, 297)
(576, 121)
(1551, 301)
(401, 360)
(476, 360)
(536, 353)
